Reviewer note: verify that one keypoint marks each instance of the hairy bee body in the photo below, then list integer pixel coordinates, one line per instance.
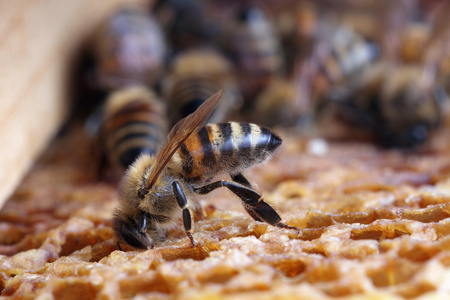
(211, 150)
(134, 123)
(195, 76)
(129, 49)
(160, 206)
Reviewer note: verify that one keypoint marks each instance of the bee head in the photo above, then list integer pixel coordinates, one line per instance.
(132, 230)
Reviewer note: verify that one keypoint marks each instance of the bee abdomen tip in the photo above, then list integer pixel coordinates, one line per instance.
(274, 142)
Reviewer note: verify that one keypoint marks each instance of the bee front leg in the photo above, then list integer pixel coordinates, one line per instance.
(183, 204)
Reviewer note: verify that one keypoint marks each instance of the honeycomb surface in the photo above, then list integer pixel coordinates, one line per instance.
(375, 224)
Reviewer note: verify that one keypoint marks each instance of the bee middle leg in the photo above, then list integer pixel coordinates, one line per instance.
(183, 204)
(252, 200)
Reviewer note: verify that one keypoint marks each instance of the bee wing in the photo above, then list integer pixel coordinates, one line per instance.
(179, 133)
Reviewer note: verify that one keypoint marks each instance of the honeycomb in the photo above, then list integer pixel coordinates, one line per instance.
(375, 224)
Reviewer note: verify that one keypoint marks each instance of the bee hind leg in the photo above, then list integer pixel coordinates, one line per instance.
(183, 204)
(253, 202)
(239, 178)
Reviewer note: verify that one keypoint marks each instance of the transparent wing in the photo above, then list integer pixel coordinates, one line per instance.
(179, 133)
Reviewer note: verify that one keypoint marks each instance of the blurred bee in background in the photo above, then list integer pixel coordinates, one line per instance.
(253, 43)
(413, 42)
(399, 103)
(134, 123)
(194, 76)
(334, 55)
(157, 190)
(342, 55)
(275, 104)
(393, 105)
(409, 108)
(188, 24)
(297, 24)
(129, 49)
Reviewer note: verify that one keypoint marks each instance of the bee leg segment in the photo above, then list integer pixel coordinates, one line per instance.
(253, 202)
(183, 204)
(239, 178)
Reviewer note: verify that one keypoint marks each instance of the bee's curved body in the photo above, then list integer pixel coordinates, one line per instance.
(156, 190)
(134, 123)
(222, 148)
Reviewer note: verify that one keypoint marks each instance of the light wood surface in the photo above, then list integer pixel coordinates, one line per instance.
(39, 40)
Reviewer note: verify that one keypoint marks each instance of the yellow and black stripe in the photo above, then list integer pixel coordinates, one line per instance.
(137, 126)
(223, 148)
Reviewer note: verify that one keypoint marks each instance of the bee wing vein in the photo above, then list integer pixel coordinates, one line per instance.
(179, 133)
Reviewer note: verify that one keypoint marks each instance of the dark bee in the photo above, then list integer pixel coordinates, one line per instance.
(338, 58)
(400, 99)
(188, 23)
(134, 123)
(129, 49)
(156, 190)
(194, 76)
(394, 104)
(408, 109)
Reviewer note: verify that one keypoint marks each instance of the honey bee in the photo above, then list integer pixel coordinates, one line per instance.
(134, 123)
(194, 76)
(156, 190)
(276, 104)
(253, 43)
(401, 99)
(394, 105)
(188, 23)
(338, 58)
(410, 110)
(129, 49)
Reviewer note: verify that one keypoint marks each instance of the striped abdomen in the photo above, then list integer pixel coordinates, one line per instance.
(135, 123)
(223, 148)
